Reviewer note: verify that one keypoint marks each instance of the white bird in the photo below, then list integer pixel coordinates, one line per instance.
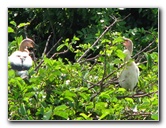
(128, 78)
(21, 61)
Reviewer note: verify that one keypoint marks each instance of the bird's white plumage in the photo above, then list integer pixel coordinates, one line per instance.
(129, 76)
(20, 61)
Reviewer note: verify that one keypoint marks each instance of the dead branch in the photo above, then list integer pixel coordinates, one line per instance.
(59, 53)
(37, 67)
(144, 49)
(90, 59)
(54, 46)
(106, 30)
(48, 39)
(137, 95)
(131, 114)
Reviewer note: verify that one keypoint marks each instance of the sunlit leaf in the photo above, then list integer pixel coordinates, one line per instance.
(23, 24)
(13, 23)
(120, 54)
(47, 115)
(130, 100)
(154, 116)
(10, 30)
(105, 112)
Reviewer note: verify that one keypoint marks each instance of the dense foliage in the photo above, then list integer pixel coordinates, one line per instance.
(79, 54)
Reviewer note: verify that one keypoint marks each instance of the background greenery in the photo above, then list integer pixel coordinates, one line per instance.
(67, 84)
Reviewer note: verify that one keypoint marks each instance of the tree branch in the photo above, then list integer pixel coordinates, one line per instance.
(48, 39)
(106, 30)
(47, 54)
(137, 95)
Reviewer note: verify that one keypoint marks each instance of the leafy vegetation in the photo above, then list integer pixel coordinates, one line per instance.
(79, 55)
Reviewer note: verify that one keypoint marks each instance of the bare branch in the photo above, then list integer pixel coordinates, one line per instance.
(90, 59)
(48, 39)
(37, 67)
(144, 49)
(59, 53)
(25, 27)
(53, 46)
(106, 30)
(137, 95)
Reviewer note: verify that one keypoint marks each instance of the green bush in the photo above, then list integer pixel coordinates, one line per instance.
(84, 86)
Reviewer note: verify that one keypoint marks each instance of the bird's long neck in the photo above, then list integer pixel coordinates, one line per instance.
(128, 55)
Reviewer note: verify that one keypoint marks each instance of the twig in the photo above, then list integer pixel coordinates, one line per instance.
(25, 27)
(53, 46)
(90, 59)
(144, 49)
(48, 39)
(152, 49)
(143, 114)
(37, 67)
(59, 53)
(51, 58)
(148, 45)
(106, 30)
(85, 53)
(137, 95)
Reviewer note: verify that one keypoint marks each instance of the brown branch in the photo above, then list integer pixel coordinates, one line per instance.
(48, 39)
(152, 50)
(129, 114)
(144, 49)
(25, 27)
(37, 67)
(137, 95)
(53, 46)
(90, 59)
(148, 45)
(106, 30)
(59, 53)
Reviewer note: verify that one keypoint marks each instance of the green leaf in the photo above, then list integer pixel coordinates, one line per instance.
(23, 24)
(149, 60)
(75, 38)
(13, 23)
(47, 115)
(61, 111)
(105, 95)
(86, 117)
(60, 47)
(122, 90)
(10, 30)
(154, 116)
(105, 112)
(85, 96)
(129, 100)
(19, 39)
(120, 54)
(22, 109)
(61, 108)
(100, 105)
